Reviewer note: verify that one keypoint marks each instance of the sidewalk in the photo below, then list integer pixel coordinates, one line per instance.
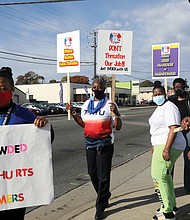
(133, 196)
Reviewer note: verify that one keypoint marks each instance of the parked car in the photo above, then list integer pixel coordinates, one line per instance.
(60, 106)
(53, 109)
(42, 107)
(151, 102)
(77, 106)
(33, 108)
(41, 110)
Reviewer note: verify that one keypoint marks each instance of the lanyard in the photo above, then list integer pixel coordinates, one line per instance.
(7, 116)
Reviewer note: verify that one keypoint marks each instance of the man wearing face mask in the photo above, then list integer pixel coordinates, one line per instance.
(99, 116)
(181, 100)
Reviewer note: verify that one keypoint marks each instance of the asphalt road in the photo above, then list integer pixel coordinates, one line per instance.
(69, 161)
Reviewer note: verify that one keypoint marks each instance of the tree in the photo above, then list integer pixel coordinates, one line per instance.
(52, 81)
(29, 78)
(64, 79)
(146, 83)
(76, 79)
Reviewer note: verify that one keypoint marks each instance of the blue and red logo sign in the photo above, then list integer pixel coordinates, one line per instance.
(115, 38)
(68, 41)
(165, 49)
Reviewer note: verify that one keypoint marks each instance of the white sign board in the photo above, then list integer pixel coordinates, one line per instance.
(26, 176)
(114, 52)
(68, 52)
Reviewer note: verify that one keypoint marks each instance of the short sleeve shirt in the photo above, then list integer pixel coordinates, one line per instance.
(162, 118)
(98, 125)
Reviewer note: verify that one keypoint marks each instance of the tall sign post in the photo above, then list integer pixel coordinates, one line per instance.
(165, 61)
(114, 54)
(68, 57)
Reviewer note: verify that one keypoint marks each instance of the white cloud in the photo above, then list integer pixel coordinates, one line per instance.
(108, 24)
(162, 23)
(152, 22)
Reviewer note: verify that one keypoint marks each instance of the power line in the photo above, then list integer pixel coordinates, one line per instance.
(25, 61)
(36, 2)
(50, 64)
(26, 21)
(26, 56)
(84, 63)
(73, 22)
(49, 27)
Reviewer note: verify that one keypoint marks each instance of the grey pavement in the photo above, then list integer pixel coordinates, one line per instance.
(133, 196)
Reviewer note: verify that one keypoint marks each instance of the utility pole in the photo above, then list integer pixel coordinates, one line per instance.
(95, 46)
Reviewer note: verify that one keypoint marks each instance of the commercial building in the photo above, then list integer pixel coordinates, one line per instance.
(19, 96)
(54, 92)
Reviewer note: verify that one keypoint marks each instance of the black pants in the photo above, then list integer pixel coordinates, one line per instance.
(186, 170)
(17, 214)
(99, 168)
(186, 173)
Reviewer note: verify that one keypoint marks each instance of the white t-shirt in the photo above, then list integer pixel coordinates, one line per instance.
(163, 117)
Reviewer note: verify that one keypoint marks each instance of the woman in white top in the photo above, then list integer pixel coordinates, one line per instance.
(167, 147)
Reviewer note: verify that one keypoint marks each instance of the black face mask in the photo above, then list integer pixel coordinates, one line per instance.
(181, 93)
(99, 94)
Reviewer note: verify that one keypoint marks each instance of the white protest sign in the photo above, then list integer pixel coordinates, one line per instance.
(26, 176)
(114, 52)
(68, 52)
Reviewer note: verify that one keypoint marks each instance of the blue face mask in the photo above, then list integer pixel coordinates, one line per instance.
(159, 99)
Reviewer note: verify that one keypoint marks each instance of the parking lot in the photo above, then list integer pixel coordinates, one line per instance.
(50, 108)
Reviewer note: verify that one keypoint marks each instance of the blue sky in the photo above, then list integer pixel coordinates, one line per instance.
(31, 30)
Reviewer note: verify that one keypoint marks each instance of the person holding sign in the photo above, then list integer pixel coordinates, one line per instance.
(12, 114)
(182, 100)
(99, 116)
(185, 124)
(167, 147)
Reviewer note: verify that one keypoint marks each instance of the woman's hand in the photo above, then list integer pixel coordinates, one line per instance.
(166, 155)
(114, 109)
(185, 124)
(188, 155)
(169, 142)
(70, 107)
(151, 150)
(40, 122)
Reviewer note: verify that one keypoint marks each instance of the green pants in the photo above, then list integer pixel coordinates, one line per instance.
(161, 175)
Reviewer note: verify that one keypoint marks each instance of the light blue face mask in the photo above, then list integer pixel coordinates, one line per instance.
(159, 99)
